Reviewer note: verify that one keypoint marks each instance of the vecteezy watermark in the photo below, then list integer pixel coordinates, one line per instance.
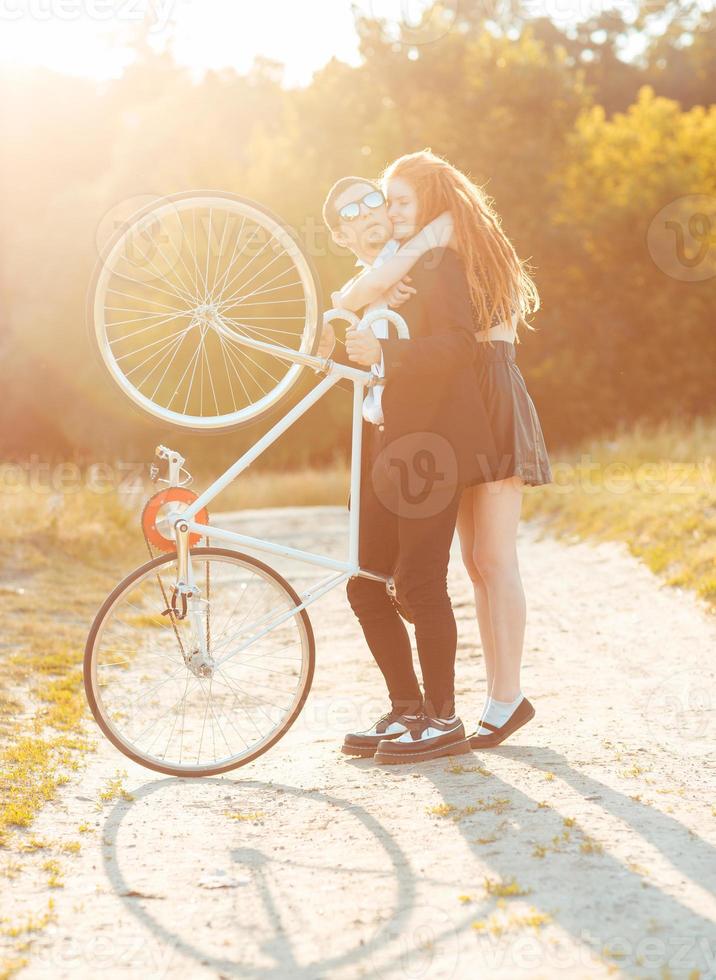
(416, 22)
(685, 955)
(681, 238)
(428, 946)
(155, 13)
(681, 714)
(140, 951)
(415, 475)
(174, 253)
(569, 12)
(38, 476)
(593, 476)
(143, 239)
(199, 244)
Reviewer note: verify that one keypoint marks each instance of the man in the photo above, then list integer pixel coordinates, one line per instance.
(425, 434)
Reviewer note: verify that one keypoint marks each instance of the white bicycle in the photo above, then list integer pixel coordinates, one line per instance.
(206, 312)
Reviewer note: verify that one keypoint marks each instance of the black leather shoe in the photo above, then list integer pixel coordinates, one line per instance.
(426, 738)
(523, 713)
(391, 725)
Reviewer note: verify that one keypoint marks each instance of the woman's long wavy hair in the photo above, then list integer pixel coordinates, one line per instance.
(496, 277)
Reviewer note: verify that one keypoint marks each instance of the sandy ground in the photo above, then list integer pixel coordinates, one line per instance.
(602, 810)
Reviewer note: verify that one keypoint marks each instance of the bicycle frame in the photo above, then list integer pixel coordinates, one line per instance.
(361, 379)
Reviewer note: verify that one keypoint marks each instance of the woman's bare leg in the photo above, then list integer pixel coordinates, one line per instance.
(496, 511)
(466, 533)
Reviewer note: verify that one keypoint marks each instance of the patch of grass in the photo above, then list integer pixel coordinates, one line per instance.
(27, 780)
(632, 772)
(30, 924)
(560, 842)
(501, 922)
(58, 561)
(54, 873)
(504, 889)
(441, 810)
(653, 487)
(34, 844)
(11, 869)
(457, 769)
(251, 817)
(498, 805)
(114, 789)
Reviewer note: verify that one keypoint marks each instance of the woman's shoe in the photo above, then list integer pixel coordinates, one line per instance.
(523, 713)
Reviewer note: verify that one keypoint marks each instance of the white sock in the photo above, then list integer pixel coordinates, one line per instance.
(486, 705)
(498, 713)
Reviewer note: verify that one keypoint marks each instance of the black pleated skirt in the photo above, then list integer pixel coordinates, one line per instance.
(516, 428)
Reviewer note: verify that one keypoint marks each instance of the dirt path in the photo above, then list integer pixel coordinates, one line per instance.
(602, 811)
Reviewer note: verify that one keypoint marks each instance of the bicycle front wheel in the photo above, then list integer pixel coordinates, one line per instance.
(177, 288)
(208, 693)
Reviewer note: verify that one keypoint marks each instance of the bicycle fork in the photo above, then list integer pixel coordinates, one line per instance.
(188, 603)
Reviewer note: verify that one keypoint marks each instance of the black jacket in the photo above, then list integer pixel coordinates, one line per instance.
(430, 380)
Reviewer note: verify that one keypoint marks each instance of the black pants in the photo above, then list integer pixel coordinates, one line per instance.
(411, 543)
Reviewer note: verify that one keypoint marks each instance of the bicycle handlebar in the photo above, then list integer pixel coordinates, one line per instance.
(311, 360)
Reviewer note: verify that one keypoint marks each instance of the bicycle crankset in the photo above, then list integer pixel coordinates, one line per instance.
(160, 512)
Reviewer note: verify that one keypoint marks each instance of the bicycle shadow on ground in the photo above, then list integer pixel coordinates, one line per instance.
(281, 916)
(594, 896)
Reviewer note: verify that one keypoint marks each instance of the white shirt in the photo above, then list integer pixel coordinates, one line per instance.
(372, 403)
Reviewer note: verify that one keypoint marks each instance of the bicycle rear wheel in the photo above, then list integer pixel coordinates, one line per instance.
(141, 676)
(176, 289)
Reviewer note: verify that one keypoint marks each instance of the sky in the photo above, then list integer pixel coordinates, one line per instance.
(84, 37)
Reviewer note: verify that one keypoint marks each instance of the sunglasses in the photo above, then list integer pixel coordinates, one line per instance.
(372, 200)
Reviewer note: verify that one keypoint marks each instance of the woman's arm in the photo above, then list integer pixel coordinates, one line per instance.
(373, 283)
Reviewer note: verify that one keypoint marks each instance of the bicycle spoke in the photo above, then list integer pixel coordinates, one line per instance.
(154, 302)
(237, 300)
(262, 269)
(166, 342)
(227, 354)
(153, 343)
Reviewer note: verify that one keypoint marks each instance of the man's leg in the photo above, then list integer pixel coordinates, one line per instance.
(421, 580)
(382, 624)
(422, 583)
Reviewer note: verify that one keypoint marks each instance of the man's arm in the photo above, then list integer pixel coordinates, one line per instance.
(327, 346)
(441, 282)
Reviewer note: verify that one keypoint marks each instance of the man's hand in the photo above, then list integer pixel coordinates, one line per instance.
(399, 293)
(327, 341)
(363, 347)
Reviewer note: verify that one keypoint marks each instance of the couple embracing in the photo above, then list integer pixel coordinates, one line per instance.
(450, 438)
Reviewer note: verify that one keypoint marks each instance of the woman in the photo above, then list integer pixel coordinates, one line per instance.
(432, 204)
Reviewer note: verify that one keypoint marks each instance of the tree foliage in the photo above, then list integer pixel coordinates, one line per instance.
(580, 149)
